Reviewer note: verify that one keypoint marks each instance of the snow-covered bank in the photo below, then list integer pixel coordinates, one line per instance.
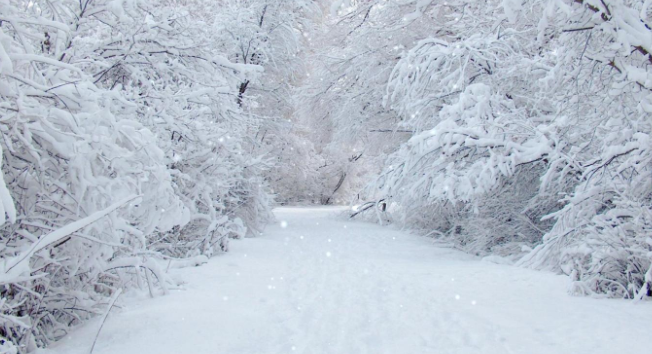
(325, 285)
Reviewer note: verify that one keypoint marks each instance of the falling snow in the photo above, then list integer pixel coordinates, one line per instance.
(145, 144)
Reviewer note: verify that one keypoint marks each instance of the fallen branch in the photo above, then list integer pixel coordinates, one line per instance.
(366, 206)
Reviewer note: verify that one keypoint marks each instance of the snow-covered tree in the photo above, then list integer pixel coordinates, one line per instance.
(123, 145)
(352, 57)
(274, 35)
(525, 130)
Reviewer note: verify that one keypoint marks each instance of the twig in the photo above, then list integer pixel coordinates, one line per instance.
(106, 314)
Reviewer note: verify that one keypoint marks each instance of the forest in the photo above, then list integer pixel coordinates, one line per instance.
(140, 136)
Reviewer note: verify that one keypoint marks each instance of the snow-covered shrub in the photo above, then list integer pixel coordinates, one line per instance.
(187, 93)
(477, 165)
(530, 126)
(89, 182)
(123, 144)
(601, 235)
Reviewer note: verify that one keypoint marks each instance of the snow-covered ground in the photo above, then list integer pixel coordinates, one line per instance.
(325, 285)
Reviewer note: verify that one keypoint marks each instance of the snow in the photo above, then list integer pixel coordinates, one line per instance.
(7, 208)
(21, 262)
(380, 291)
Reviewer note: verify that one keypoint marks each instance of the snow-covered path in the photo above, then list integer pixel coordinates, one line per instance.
(325, 285)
